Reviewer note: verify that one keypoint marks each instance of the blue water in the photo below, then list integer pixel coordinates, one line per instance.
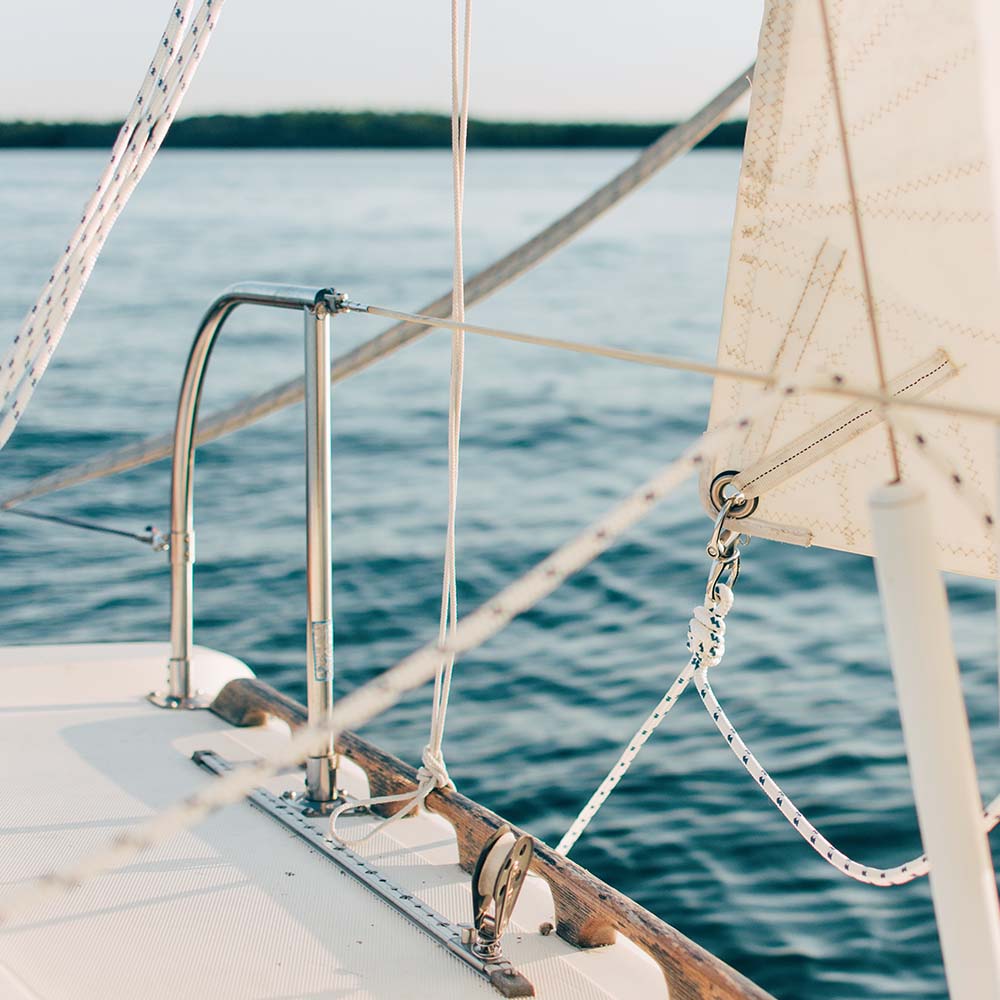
(549, 442)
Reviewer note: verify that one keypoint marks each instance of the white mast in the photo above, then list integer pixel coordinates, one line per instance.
(938, 744)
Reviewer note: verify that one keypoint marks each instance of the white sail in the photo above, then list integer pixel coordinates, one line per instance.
(795, 301)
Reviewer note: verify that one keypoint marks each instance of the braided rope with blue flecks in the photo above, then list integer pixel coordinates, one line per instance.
(899, 875)
(178, 54)
(706, 641)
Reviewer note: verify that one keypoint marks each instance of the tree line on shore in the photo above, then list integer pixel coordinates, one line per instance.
(356, 130)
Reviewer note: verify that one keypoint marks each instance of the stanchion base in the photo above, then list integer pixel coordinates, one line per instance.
(163, 700)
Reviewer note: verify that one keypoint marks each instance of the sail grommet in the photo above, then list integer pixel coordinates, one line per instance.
(718, 496)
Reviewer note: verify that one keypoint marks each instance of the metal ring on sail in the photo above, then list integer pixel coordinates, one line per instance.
(718, 497)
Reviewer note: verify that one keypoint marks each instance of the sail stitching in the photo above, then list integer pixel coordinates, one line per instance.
(847, 423)
(815, 443)
(790, 360)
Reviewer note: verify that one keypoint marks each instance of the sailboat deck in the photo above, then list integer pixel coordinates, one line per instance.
(236, 907)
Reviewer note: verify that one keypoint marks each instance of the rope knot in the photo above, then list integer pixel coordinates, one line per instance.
(433, 768)
(707, 629)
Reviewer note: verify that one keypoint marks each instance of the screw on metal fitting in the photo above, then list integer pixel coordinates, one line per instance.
(335, 301)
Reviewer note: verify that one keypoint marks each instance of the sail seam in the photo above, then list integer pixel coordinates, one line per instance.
(838, 103)
(791, 458)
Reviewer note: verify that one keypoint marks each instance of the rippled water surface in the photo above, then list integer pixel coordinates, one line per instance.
(549, 441)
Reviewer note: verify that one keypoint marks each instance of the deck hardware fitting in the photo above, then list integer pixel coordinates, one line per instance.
(497, 881)
(291, 812)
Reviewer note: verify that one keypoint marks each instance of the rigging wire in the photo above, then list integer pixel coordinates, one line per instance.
(500, 273)
(827, 384)
(152, 538)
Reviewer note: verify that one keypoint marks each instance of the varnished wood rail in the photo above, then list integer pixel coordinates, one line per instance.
(588, 911)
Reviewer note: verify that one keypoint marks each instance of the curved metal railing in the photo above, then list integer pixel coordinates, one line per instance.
(317, 306)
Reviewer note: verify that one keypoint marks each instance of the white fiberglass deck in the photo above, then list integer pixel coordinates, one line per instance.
(237, 907)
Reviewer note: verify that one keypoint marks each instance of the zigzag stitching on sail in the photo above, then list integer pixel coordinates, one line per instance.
(880, 211)
(903, 96)
(816, 115)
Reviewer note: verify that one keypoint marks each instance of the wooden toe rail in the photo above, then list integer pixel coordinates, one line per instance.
(588, 911)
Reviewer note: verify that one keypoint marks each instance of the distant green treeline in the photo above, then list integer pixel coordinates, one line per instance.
(353, 130)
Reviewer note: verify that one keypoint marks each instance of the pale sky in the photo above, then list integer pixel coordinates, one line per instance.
(649, 60)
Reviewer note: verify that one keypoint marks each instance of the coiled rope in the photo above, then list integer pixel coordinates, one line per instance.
(174, 63)
(433, 772)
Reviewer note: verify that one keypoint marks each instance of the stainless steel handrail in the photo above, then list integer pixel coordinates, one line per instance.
(317, 305)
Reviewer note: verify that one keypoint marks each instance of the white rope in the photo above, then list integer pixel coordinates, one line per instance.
(706, 640)
(434, 769)
(433, 772)
(383, 691)
(827, 384)
(899, 875)
(175, 61)
(497, 275)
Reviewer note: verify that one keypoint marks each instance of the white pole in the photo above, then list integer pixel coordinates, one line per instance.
(938, 744)
(996, 548)
(988, 45)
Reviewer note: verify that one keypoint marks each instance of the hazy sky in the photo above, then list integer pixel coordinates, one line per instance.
(582, 59)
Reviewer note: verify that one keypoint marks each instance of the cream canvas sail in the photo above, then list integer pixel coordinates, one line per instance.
(795, 302)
